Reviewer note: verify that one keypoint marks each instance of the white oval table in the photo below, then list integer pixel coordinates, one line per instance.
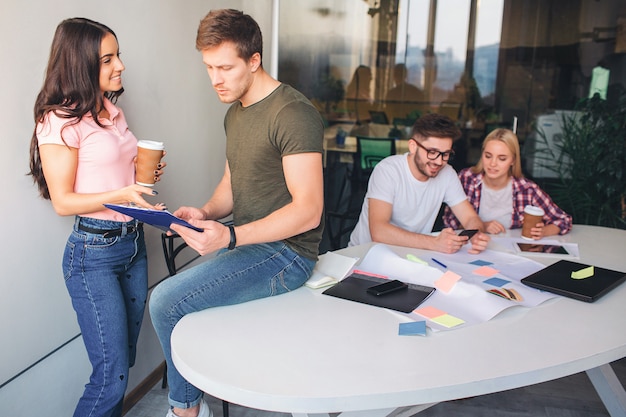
(310, 354)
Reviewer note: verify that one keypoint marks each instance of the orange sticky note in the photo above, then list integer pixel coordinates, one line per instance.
(446, 282)
(486, 271)
(430, 312)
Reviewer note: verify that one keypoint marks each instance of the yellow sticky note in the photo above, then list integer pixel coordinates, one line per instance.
(448, 320)
(446, 282)
(414, 258)
(583, 273)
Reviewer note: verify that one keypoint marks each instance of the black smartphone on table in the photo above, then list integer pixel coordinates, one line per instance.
(387, 287)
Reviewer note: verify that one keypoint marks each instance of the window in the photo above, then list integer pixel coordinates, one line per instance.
(482, 62)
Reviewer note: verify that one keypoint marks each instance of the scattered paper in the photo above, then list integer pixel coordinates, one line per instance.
(412, 328)
(448, 320)
(330, 268)
(496, 282)
(446, 282)
(486, 271)
(414, 258)
(429, 312)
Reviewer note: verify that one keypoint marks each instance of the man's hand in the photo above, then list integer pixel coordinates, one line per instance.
(215, 236)
(188, 213)
(479, 243)
(449, 242)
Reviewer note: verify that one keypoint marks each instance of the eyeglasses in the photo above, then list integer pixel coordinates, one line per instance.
(433, 154)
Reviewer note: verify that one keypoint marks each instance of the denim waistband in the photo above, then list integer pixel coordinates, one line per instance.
(108, 228)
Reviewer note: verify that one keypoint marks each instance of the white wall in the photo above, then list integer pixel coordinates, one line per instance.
(168, 97)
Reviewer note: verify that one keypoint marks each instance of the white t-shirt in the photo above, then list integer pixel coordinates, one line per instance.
(497, 205)
(415, 203)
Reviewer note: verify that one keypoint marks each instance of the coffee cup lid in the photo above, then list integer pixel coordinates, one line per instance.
(151, 144)
(534, 210)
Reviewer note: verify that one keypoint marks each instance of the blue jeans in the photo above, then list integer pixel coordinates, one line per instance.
(107, 279)
(243, 274)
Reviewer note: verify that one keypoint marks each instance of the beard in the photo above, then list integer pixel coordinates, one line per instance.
(427, 168)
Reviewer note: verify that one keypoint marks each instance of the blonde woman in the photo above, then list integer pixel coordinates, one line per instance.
(497, 189)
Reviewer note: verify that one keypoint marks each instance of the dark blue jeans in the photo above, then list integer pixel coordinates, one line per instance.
(237, 276)
(107, 279)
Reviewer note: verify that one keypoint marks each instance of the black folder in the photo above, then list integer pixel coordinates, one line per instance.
(557, 279)
(354, 288)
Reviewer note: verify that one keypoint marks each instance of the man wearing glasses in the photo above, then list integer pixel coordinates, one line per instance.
(405, 193)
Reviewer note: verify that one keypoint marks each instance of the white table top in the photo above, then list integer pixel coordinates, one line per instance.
(305, 352)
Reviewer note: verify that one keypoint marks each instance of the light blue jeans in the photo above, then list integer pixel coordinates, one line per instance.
(243, 274)
(107, 279)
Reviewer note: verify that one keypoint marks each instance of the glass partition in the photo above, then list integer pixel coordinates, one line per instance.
(485, 63)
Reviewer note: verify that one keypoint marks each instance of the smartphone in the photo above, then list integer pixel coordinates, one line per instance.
(387, 287)
(469, 233)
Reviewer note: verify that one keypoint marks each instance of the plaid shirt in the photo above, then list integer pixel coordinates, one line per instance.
(525, 192)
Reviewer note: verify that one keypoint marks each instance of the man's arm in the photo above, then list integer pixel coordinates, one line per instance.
(304, 179)
(468, 217)
(383, 231)
(305, 182)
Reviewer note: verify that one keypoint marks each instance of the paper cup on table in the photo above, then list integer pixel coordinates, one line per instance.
(149, 154)
(532, 216)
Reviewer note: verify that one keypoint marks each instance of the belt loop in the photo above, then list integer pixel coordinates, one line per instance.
(76, 222)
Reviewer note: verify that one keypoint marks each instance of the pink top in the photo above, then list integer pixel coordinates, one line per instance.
(105, 156)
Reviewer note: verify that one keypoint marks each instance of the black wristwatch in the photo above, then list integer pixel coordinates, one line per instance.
(233, 237)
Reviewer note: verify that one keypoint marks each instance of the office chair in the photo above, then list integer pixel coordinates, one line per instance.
(171, 249)
(342, 218)
(369, 152)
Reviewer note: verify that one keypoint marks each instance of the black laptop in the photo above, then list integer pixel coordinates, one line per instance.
(557, 279)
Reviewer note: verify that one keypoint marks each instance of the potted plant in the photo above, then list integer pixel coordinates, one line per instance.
(329, 91)
(591, 166)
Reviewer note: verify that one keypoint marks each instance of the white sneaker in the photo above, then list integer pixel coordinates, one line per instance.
(204, 411)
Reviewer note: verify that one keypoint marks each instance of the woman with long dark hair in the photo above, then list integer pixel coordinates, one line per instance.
(82, 155)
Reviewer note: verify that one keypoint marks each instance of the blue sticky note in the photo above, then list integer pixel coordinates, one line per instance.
(480, 262)
(496, 282)
(412, 328)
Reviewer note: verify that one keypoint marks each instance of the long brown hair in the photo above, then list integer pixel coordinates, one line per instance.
(509, 138)
(71, 87)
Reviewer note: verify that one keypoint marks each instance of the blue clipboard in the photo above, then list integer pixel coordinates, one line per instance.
(161, 219)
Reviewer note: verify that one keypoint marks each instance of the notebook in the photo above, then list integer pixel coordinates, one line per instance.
(354, 288)
(557, 278)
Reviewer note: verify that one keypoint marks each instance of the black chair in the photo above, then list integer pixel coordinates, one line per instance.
(341, 218)
(172, 247)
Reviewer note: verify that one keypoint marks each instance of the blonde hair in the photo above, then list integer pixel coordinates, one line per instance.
(509, 138)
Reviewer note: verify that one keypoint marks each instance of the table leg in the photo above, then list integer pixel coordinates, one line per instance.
(609, 389)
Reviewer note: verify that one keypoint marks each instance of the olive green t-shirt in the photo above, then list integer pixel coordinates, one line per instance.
(257, 137)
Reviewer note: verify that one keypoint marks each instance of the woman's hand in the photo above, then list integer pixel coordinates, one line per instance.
(493, 227)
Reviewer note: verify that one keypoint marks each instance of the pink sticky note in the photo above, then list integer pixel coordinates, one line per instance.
(446, 281)
(430, 312)
(486, 271)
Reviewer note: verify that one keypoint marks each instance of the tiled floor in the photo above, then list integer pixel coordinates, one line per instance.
(573, 396)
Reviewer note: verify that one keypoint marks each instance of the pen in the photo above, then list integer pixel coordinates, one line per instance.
(437, 262)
